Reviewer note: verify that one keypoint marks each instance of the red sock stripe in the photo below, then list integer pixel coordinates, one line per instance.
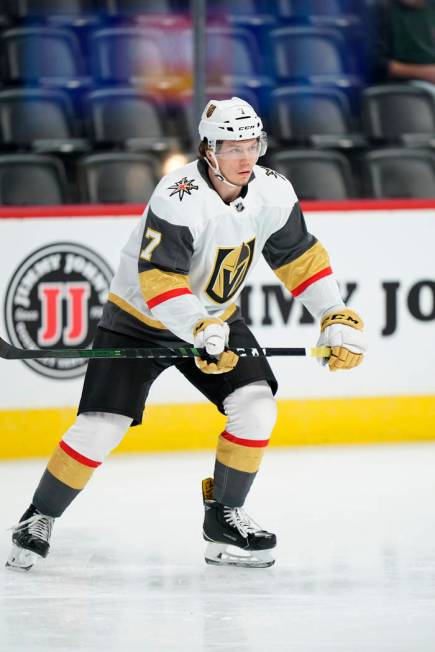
(251, 443)
(170, 294)
(80, 458)
(303, 286)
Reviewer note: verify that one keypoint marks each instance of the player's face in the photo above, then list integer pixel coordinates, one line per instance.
(237, 158)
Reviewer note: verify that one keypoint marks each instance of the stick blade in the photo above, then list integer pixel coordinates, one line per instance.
(7, 351)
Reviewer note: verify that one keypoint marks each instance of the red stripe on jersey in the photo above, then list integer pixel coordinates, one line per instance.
(251, 443)
(170, 294)
(303, 286)
(80, 458)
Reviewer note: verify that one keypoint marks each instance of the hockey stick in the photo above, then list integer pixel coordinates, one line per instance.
(9, 352)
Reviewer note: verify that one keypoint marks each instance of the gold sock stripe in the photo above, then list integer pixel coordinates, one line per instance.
(68, 470)
(241, 458)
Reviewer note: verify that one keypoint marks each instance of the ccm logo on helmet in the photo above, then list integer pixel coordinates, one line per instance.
(244, 128)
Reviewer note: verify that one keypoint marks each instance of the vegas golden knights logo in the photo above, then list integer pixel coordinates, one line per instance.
(229, 272)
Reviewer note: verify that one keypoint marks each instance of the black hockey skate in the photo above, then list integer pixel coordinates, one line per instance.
(30, 539)
(234, 538)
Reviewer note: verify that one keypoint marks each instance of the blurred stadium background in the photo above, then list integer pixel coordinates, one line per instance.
(97, 97)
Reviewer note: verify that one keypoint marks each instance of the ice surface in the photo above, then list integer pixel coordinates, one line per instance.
(355, 567)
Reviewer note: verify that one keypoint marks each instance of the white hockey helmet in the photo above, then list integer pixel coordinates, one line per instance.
(232, 119)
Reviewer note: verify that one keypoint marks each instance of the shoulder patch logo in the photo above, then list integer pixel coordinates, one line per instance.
(272, 173)
(181, 187)
(229, 271)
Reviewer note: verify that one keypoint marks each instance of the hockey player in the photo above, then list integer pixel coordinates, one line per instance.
(182, 269)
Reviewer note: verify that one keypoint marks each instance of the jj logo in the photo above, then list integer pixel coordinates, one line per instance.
(55, 299)
(51, 296)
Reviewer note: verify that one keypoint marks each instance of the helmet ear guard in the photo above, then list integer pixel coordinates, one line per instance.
(263, 143)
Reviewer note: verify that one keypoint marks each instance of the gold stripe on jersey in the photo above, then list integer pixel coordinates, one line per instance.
(154, 282)
(154, 323)
(240, 458)
(68, 470)
(312, 261)
(121, 303)
(228, 312)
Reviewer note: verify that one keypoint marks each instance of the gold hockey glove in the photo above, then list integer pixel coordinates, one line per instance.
(342, 331)
(212, 335)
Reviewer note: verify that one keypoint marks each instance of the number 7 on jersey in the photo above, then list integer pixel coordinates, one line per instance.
(154, 241)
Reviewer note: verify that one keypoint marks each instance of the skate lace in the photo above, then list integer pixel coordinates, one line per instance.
(38, 526)
(238, 518)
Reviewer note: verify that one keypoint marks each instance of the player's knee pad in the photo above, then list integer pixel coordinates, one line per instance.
(251, 411)
(95, 434)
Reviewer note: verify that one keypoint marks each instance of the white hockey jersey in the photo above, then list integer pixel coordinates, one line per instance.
(191, 253)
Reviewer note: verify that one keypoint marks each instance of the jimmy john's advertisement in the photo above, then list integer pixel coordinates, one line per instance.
(56, 276)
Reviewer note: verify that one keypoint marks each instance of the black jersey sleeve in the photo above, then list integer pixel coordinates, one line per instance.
(164, 260)
(165, 246)
(295, 255)
(289, 242)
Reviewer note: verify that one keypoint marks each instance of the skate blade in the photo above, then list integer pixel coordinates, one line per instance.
(21, 559)
(221, 554)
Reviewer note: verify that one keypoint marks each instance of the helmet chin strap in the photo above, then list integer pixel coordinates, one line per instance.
(216, 171)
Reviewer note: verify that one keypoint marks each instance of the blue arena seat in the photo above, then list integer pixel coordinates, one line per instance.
(149, 59)
(311, 54)
(162, 13)
(399, 173)
(252, 14)
(316, 174)
(232, 51)
(32, 179)
(44, 55)
(315, 115)
(245, 7)
(129, 118)
(117, 177)
(233, 57)
(77, 13)
(41, 119)
(334, 13)
(133, 8)
(399, 113)
(128, 55)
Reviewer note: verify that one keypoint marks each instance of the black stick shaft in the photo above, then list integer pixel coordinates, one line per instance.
(9, 352)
